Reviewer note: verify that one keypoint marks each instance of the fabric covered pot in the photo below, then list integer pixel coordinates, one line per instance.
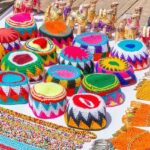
(9, 41)
(77, 57)
(105, 85)
(58, 32)
(133, 51)
(14, 88)
(86, 111)
(44, 47)
(68, 76)
(95, 43)
(24, 23)
(118, 67)
(48, 100)
(25, 62)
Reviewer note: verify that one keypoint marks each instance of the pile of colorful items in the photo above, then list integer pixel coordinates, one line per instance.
(78, 77)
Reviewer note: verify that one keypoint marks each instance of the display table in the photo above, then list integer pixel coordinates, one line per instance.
(114, 114)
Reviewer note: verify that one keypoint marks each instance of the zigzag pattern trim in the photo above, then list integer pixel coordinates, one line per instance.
(87, 67)
(12, 46)
(138, 58)
(88, 121)
(63, 43)
(49, 60)
(86, 111)
(37, 78)
(138, 62)
(51, 111)
(60, 41)
(14, 93)
(26, 35)
(114, 99)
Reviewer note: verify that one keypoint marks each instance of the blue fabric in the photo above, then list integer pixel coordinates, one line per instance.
(121, 79)
(132, 75)
(78, 39)
(11, 101)
(29, 29)
(130, 45)
(113, 95)
(11, 79)
(16, 144)
(52, 71)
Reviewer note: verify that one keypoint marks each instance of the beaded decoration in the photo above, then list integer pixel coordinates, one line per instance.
(10, 144)
(44, 47)
(131, 138)
(105, 85)
(137, 115)
(25, 62)
(96, 43)
(118, 67)
(14, 88)
(45, 135)
(66, 75)
(9, 41)
(77, 57)
(58, 32)
(48, 100)
(24, 23)
(133, 51)
(86, 111)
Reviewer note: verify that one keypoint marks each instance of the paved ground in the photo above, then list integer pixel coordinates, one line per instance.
(124, 6)
(4, 5)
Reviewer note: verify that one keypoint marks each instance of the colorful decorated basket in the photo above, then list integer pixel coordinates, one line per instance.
(9, 41)
(14, 88)
(66, 75)
(24, 23)
(86, 111)
(25, 62)
(118, 67)
(133, 51)
(77, 57)
(48, 100)
(105, 85)
(58, 32)
(44, 47)
(96, 43)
